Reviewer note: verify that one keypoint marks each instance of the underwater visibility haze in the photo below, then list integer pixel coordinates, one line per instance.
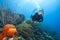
(25, 8)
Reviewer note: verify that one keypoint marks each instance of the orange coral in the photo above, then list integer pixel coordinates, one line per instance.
(8, 30)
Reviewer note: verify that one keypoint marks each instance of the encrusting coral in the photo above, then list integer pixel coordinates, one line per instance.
(33, 31)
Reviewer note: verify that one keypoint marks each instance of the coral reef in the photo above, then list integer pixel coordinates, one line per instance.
(7, 16)
(27, 29)
(32, 31)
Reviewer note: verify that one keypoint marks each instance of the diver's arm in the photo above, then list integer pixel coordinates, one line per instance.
(41, 19)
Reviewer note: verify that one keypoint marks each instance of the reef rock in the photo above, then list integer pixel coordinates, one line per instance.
(33, 31)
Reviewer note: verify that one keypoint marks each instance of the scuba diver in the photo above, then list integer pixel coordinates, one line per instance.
(38, 17)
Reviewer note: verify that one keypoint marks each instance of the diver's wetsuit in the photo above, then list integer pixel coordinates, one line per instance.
(37, 17)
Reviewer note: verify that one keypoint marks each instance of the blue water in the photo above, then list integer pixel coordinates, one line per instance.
(51, 11)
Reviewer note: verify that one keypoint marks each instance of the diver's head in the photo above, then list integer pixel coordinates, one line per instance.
(40, 12)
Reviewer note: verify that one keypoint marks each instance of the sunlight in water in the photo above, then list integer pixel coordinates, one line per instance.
(36, 2)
